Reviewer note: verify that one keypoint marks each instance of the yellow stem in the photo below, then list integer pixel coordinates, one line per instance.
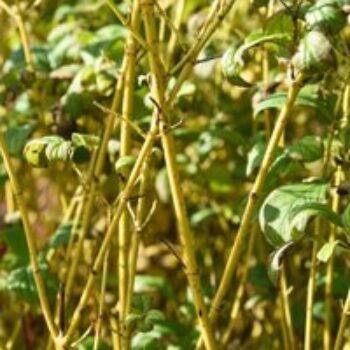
(253, 197)
(125, 148)
(158, 90)
(30, 237)
(144, 152)
(311, 290)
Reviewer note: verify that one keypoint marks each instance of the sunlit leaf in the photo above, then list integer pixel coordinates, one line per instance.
(21, 282)
(307, 97)
(277, 217)
(125, 161)
(233, 59)
(327, 251)
(275, 262)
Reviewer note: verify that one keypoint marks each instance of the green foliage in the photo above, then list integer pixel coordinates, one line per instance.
(20, 281)
(308, 97)
(54, 115)
(287, 210)
(40, 152)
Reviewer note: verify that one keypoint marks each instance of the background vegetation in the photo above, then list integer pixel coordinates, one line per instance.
(174, 174)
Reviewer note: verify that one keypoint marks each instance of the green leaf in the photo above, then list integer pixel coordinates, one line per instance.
(3, 178)
(280, 22)
(202, 215)
(125, 161)
(61, 235)
(86, 140)
(327, 251)
(16, 137)
(148, 341)
(326, 15)
(307, 149)
(21, 282)
(307, 97)
(141, 303)
(317, 209)
(277, 214)
(233, 59)
(15, 238)
(346, 219)
(162, 186)
(88, 344)
(219, 178)
(275, 262)
(255, 157)
(57, 148)
(148, 283)
(154, 315)
(132, 318)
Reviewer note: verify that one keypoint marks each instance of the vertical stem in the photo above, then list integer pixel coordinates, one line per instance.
(240, 291)
(343, 321)
(125, 147)
(158, 89)
(346, 308)
(141, 213)
(101, 302)
(144, 152)
(311, 290)
(30, 237)
(180, 6)
(287, 319)
(327, 333)
(253, 198)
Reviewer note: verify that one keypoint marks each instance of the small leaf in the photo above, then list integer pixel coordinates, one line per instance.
(307, 149)
(202, 215)
(162, 186)
(275, 262)
(233, 61)
(125, 161)
(132, 318)
(154, 315)
(307, 97)
(86, 140)
(327, 251)
(255, 157)
(346, 219)
(61, 235)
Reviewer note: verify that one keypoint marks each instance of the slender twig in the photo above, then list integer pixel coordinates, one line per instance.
(343, 322)
(98, 325)
(30, 237)
(125, 23)
(253, 199)
(339, 175)
(140, 221)
(144, 152)
(285, 308)
(125, 148)
(216, 15)
(15, 14)
(240, 291)
(311, 289)
(158, 90)
(132, 124)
